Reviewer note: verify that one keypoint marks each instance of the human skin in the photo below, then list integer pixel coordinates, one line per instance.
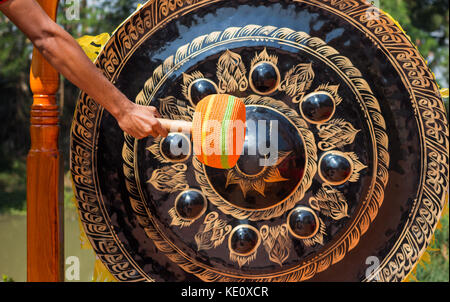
(66, 56)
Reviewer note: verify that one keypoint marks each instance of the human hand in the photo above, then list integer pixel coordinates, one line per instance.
(141, 121)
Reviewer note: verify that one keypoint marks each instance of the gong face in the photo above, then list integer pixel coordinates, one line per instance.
(342, 159)
(255, 184)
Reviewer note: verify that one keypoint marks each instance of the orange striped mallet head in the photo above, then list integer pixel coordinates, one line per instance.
(218, 130)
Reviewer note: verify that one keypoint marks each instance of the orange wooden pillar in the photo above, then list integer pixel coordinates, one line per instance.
(45, 216)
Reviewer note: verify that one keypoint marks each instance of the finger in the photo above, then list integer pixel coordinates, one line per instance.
(154, 111)
(156, 114)
(154, 134)
(150, 131)
(137, 135)
(157, 127)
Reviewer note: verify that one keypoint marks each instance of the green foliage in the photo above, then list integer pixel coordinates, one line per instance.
(7, 279)
(438, 268)
(15, 50)
(427, 23)
(105, 16)
(68, 191)
(13, 188)
(15, 58)
(15, 95)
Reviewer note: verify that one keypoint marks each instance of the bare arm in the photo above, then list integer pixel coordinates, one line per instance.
(67, 57)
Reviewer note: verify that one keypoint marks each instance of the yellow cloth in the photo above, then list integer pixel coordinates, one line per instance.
(92, 45)
(101, 273)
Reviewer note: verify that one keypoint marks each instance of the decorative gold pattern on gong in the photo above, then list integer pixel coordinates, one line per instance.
(244, 258)
(212, 233)
(330, 202)
(332, 90)
(177, 220)
(269, 174)
(357, 166)
(297, 81)
(430, 115)
(264, 56)
(364, 97)
(175, 109)
(231, 73)
(277, 242)
(353, 160)
(318, 237)
(296, 195)
(170, 178)
(336, 134)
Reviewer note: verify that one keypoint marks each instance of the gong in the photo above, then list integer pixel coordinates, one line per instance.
(361, 146)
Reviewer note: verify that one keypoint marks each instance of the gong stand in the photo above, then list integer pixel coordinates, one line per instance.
(45, 216)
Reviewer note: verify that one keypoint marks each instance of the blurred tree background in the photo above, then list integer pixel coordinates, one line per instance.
(425, 21)
(96, 16)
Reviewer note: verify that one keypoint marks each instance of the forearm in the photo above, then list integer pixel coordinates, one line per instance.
(67, 57)
(64, 54)
(62, 51)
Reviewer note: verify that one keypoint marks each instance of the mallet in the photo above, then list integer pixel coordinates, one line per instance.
(218, 130)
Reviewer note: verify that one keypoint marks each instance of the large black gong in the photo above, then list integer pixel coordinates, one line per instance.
(362, 151)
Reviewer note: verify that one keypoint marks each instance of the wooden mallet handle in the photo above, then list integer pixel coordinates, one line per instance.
(176, 126)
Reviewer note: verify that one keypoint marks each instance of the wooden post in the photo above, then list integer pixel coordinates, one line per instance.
(45, 216)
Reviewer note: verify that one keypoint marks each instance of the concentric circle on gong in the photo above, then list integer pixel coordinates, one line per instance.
(176, 147)
(264, 78)
(199, 89)
(244, 240)
(250, 166)
(318, 107)
(263, 179)
(335, 168)
(191, 204)
(303, 223)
